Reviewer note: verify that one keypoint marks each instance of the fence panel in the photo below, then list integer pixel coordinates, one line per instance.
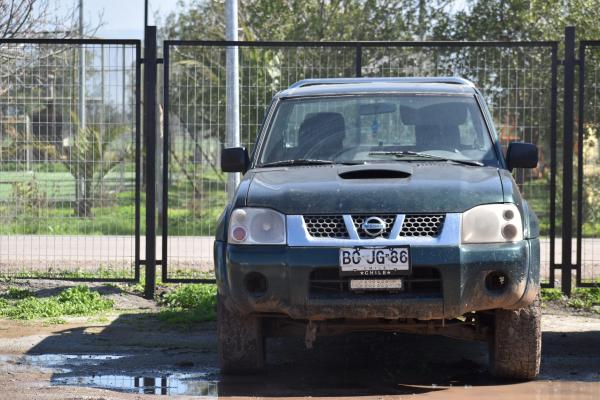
(588, 166)
(195, 126)
(69, 152)
(519, 81)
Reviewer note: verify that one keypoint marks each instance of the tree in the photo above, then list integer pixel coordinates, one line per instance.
(523, 20)
(33, 19)
(311, 19)
(91, 154)
(28, 18)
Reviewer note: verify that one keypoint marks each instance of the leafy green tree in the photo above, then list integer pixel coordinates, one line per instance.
(90, 155)
(311, 19)
(522, 20)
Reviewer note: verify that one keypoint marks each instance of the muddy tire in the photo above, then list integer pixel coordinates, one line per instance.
(241, 341)
(516, 344)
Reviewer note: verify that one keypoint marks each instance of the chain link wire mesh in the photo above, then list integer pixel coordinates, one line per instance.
(588, 250)
(516, 81)
(196, 132)
(68, 158)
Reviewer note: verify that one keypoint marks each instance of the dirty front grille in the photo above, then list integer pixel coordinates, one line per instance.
(421, 281)
(359, 220)
(326, 226)
(422, 225)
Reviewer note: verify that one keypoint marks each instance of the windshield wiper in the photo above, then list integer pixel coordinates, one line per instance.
(399, 154)
(301, 161)
(307, 161)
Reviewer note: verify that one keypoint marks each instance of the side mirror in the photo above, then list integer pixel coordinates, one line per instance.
(521, 155)
(235, 159)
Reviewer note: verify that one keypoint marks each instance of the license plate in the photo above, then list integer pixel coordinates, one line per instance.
(375, 261)
(376, 284)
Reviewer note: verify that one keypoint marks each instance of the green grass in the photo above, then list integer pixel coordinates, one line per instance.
(585, 299)
(76, 301)
(100, 273)
(552, 294)
(189, 304)
(48, 208)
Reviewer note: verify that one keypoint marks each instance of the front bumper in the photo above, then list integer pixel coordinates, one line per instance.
(462, 270)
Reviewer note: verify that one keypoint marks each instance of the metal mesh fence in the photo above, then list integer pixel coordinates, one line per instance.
(68, 151)
(588, 249)
(517, 83)
(516, 80)
(196, 132)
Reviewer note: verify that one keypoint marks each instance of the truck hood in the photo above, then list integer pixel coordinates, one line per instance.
(405, 187)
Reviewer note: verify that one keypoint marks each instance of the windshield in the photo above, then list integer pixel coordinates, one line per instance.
(371, 128)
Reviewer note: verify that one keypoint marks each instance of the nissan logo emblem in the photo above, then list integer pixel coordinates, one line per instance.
(374, 226)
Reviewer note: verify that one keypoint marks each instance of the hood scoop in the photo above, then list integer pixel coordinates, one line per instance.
(373, 173)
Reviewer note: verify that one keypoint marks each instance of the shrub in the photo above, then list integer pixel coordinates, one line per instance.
(190, 303)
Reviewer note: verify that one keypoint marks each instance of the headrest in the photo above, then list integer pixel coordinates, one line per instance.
(325, 123)
(454, 113)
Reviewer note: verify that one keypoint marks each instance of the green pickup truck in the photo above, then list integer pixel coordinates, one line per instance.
(379, 204)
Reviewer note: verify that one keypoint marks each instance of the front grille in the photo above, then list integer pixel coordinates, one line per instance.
(358, 221)
(421, 281)
(422, 225)
(326, 226)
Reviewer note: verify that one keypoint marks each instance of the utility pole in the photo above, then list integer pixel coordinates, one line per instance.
(232, 111)
(80, 183)
(145, 13)
(81, 116)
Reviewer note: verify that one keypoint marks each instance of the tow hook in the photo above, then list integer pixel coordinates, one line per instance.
(311, 335)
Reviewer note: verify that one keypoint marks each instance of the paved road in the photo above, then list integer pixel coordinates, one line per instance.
(43, 252)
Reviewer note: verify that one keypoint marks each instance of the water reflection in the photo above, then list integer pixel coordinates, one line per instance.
(69, 370)
(194, 384)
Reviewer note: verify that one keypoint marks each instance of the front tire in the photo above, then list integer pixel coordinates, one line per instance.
(241, 341)
(516, 344)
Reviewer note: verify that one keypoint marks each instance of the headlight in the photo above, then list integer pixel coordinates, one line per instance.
(492, 223)
(257, 226)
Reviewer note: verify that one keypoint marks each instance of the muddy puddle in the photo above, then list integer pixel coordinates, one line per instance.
(96, 371)
(370, 366)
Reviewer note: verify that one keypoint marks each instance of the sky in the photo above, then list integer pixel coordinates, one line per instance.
(121, 19)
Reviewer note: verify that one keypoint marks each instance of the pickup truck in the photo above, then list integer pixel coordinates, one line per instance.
(379, 204)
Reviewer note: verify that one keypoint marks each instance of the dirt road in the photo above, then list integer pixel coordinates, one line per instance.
(132, 355)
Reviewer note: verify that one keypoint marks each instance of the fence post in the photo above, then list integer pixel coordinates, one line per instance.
(567, 214)
(358, 61)
(150, 141)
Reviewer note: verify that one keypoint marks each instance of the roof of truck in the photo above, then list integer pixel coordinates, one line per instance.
(331, 86)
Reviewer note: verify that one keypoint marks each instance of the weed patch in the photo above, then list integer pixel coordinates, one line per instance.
(189, 304)
(551, 294)
(76, 301)
(585, 298)
(582, 299)
(18, 294)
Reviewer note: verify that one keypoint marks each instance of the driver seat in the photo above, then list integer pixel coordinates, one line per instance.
(321, 135)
